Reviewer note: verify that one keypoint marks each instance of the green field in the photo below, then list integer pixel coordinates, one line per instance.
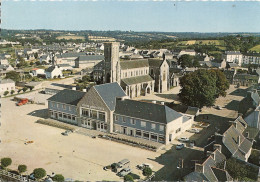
(203, 42)
(70, 37)
(256, 48)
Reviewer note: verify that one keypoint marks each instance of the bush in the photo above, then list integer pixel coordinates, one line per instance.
(39, 173)
(6, 93)
(25, 89)
(22, 168)
(12, 92)
(128, 178)
(58, 177)
(19, 90)
(6, 162)
(147, 171)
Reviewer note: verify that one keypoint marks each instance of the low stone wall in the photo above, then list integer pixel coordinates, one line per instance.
(58, 124)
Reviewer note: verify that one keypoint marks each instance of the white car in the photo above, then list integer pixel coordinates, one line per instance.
(183, 139)
(180, 146)
(142, 166)
(194, 130)
(124, 172)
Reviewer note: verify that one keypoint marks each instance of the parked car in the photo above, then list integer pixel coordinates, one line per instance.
(66, 133)
(142, 166)
(180, 146)
(218, 108)
(106, 168)
(194, 130)
(183, 139)
(31, 176)
(124, 172)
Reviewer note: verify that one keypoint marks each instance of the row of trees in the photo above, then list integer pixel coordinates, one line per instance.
(202, 87)
(39, 173)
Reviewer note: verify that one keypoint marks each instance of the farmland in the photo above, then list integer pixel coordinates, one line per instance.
(203, 42)
(70, 37)
(256, 48)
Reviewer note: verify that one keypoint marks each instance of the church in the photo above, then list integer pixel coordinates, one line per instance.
(137, 77)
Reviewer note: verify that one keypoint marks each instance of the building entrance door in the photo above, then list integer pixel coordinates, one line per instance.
(170, 137)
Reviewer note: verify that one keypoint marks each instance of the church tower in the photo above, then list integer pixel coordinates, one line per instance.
(112, 62)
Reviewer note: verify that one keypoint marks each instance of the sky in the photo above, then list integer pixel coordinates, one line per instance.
(164, 16)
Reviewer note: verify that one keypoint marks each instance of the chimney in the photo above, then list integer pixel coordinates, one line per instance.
(162, 103)
(199, 168)
(212, 154)
(84, 90)
(217, 146)
(73, 88)
(154, 102)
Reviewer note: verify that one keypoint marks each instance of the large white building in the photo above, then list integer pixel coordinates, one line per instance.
(6, 85)
(253, 58)
(233, 57)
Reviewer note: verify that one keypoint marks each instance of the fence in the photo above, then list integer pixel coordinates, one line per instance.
(13, 176)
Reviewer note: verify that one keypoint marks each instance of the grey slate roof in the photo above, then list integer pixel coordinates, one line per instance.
(67, 96)
(108, 92)
(222, 175)
(233, 53)
(50, 69)
(3, 81)
(90, 58)
(137, 79)
(230, 140)
(72, 54)
(148, 111)
(139, 63)
(155, 62)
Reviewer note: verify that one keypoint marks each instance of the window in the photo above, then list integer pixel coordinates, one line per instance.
(161, 128)
(51, 113)
(164, 76)
(116, 118)
(132, 121)
(53, 104)
(153, 126)
(138, 133)
(85, 112)
(73, 118)
(146, 135)
(161, 139)
(70, 108)
(154, 137)
(60, 115)
(69, 116)
(65, 116)
(178, 130)
(102, 116)
(63, 106)
(123, 119)
(143, 124)
(93, 114)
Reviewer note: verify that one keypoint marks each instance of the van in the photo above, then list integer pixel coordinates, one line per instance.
(123, 163)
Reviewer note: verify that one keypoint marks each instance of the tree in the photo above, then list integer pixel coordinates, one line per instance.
(128, 178)
(147, 171)
(12, 92)
(6, 93)
(22, 168)
(36, 55)
(19, 90)
(222, 83)
(198, 89)
(31, 88)
(6, 162)
(38, 63)
(31, 63)
(25, 89)
(13, 75)
(39, 173)
(185, 61)
(58, 178)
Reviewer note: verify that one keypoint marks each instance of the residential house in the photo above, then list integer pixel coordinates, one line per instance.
(209, 170)
(251, 58)
(53, 71)
(6, 85)
(151, 121)
(37, 72)
(246, 80)
(233, 142)
(68, 58)
(190, 52)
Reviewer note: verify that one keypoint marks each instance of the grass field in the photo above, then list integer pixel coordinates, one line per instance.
(70, 37)
(256, 48)
(203, 42)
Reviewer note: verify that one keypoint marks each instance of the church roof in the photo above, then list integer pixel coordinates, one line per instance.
(140, 63)
(137, 79)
